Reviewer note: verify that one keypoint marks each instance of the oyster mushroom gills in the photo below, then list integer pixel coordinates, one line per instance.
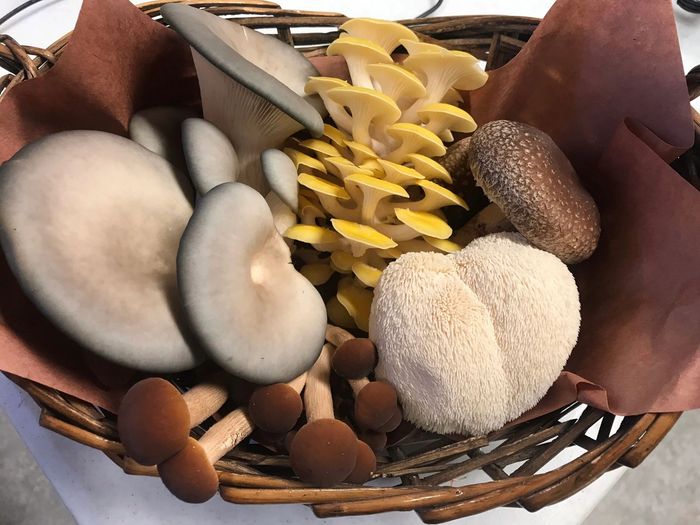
(235, 276)
(155, 418)
(96, 248)
(526, 175)
(370, 189)
(472, 340)
(251, 84)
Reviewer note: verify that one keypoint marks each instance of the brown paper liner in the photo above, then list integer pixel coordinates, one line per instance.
(607, 86)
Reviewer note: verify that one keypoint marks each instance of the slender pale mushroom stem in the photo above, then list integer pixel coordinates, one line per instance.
(318, 398)
(357, 385)
(205, 398)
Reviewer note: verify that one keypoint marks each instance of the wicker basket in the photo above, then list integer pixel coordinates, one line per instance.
(251, 474)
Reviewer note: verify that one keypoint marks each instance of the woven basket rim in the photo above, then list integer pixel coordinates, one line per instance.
(243, 475)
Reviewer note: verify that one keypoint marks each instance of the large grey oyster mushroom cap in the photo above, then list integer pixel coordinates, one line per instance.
(254, 314)
(252, 85)
(524, 172)
(90, 223)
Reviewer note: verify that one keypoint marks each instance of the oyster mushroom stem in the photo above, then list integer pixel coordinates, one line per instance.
(358, 53)
(342, 119)
(155, 419)
(324, 451)
(251, 85)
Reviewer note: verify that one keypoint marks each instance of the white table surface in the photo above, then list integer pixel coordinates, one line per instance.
(97, 492)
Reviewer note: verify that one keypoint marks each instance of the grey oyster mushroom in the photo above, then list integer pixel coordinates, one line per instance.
(252, 85)
(158, 129)
(526, 175)
(281, 174)
(253, 313)
(211, 159)
(90, 223)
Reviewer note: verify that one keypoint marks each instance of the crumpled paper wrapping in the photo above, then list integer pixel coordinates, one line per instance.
(608, 87)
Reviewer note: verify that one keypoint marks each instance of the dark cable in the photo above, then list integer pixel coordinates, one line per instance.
(692, 6)
(18, 10)
(430, 11)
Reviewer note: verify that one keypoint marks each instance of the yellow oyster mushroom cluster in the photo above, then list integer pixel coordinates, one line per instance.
(370, 188)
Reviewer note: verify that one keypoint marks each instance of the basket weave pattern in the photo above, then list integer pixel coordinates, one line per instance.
(251, 474)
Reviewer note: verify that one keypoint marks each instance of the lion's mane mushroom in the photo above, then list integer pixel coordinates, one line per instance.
(155, 418)
(235, 276)
(252, 85)
(324, 451)
(437, 346)
(474, 339)
(524, 172)
(534, 304)
(96, 248)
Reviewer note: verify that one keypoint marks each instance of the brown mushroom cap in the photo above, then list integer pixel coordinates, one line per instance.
(355, 358)
(324, 452)
(275, 408)
(365, 464)
(375, 440)
(153, 421)
(375, 405)
(393, 422)
(524, 172)
(189, 475)
(288, 440)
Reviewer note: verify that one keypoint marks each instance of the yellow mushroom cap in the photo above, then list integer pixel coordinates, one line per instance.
(429, 168)
(302, 160)
(442, 71)
(338, 314)
(370, 191)
(320, 148)
(436, 197)
(398, 173)
(416, 46)
(334, 135)
(321, 86)
(368, 275)
(441, 119)
(368, 107)
(322, 186)
(414, 139)
(311, 234)
(356, 300)
(391, 253)
(342, 167)
(373, 166)
(386, 34)
(395, 81)
(317, 273)
(424, 223)
(444, 245)
(358, 52)
(342, 261)
(360, 152)
(361, 236)
(453, 97)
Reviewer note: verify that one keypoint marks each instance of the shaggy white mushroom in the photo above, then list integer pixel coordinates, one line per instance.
(437, 346)
(534, 305)
(474, 339)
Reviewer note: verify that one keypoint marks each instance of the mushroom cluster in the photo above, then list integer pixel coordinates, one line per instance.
(472, 340)
(370, 188)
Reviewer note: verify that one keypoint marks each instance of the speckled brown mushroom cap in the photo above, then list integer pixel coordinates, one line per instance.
(153, 421)
(324, 452)
(189, 475)
(355, 359)
(375, 405)
(275, 408)
(365, 464)
(524, 172)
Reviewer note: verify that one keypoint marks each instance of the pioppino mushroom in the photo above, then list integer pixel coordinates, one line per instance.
(236, 277)
(90, 224)
(524, 172)
(365, 464)
(324, 451)
(276, 408)
(155, 418)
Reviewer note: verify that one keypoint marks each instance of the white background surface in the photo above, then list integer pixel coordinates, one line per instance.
(94, 489)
